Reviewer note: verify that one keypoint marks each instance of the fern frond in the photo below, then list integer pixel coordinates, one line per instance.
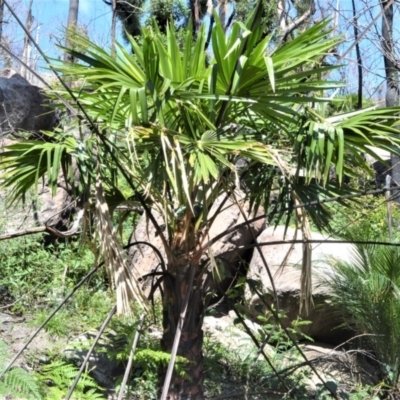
(17, 382)
(62, 374)
(21, 383)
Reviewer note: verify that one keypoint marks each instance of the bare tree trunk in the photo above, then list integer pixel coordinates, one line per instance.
(26, 54)
(113, 26)
(1, 19)
(359, 59)
(223, 8)
(189, 386)
(392, 78)
(282, 15)
(195, 15)
(71, 25)
(35, 56)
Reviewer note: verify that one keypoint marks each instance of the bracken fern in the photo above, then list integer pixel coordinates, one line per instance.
(61, 376)
(17, 382)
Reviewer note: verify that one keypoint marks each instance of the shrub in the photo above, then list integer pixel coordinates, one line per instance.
(367, 289)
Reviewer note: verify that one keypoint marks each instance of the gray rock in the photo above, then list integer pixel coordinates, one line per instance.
(101, 366)
(23, 107)
(15, 331)
(324, 318)
(44, 209)
(222, 330)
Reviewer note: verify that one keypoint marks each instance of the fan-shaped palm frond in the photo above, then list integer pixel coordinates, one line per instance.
(26, 162)
(367, 290)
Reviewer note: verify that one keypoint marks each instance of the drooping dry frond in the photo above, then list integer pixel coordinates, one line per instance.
(289, 252)
(306, 273)
(115, 259)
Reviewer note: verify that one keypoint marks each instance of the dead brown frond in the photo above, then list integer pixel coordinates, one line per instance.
(306, 275)
(126, 283)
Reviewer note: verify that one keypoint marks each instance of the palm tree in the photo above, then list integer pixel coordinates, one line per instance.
(173, 124)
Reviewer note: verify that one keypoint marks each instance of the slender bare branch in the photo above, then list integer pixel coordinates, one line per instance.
(130, 360)
(90, 351)
(298, 21)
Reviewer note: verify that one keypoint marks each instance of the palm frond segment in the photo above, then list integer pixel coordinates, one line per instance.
(25, 163)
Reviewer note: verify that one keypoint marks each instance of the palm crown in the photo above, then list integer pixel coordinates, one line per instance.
(184, 118)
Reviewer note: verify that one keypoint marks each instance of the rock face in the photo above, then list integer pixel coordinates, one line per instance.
(323, 316)
(145, 260)
(381, 169)
(55, 211)
(23, 107)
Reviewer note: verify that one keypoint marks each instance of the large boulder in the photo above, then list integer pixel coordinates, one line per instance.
(223, 332)
(226, 250)
(23, 107)
(324, 318)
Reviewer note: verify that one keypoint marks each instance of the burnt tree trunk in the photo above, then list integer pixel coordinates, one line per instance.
(359, 58)
(195, 15)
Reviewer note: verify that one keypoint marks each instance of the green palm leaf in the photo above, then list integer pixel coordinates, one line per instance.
(27, 162)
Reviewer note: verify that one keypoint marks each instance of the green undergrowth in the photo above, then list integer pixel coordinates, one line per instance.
(50, 381)
(87, 309)
(40, 276)
(369, 217)
(148, 359)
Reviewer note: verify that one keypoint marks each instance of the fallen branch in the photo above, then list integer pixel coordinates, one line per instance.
(46, 228)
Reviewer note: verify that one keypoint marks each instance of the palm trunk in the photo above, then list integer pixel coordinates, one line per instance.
(189, 386)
